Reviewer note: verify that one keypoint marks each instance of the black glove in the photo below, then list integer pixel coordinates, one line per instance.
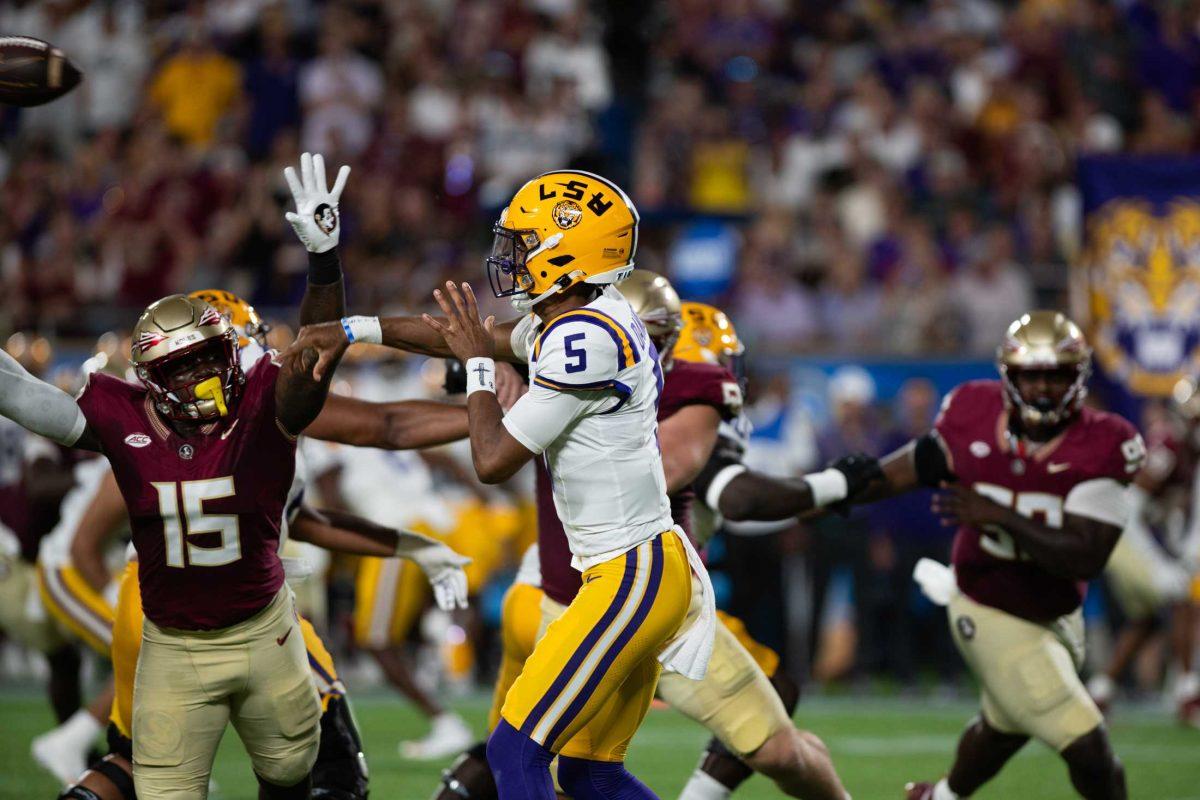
(861, 470)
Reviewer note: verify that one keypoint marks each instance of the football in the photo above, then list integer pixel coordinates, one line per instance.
(33, 72)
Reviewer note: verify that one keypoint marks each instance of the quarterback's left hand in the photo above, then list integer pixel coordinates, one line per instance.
(441, 565)
(464, 333)
(958, 505)
(315, 219)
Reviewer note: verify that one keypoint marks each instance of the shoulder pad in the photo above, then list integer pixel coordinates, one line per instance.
(583, 349)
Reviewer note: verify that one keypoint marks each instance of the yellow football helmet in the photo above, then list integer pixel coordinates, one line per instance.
(241, 315)
(708, 336)
(657, 305)
(562, 228)
(186, 354)
(1045, 340)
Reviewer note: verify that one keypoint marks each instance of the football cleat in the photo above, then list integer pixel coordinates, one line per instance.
(448, 736)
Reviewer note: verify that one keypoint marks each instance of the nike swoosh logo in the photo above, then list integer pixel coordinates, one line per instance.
(225, 435)
(281, 639)
(1056, 468)
(591, 578)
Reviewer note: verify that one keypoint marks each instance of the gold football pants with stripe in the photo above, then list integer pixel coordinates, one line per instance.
(76, 606)
(591, 677)
(127, 643)
(520, 622)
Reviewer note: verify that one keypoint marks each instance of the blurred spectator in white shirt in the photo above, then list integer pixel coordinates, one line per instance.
(340, 91)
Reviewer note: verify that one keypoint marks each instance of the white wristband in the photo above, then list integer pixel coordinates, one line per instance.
(828, 486)
(363, 329)
(481, 375)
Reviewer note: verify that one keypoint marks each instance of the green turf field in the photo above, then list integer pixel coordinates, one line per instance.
(877, 743)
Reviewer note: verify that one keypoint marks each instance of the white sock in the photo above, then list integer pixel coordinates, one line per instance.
(941, 791)
(1187, 686)
(79, 731)
(702, 786)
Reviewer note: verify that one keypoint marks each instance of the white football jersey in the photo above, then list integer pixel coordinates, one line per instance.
(591, 410)
(55, 549)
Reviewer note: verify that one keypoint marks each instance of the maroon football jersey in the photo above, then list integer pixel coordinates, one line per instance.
(989, 565)
(204, 509)
(685, 384)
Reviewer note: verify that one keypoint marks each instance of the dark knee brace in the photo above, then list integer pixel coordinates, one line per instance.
(468, 778)
(273, 791)
(787, 689)
(340, 772)
(1095, 770)
(118, 777)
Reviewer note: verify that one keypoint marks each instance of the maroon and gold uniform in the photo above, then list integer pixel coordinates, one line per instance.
(204, 509)
(973, 428)
(219, 643)
(1019, 627)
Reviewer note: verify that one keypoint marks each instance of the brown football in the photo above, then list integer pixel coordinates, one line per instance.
(33, 72)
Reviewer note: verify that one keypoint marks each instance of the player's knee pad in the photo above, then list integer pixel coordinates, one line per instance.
(723, 766)
(470, 777)
(582, 779)
(517, 760)
(341, 769)
(115, 774)
(118, 744)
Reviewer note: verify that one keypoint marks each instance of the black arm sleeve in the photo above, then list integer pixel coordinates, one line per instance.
(932, 467)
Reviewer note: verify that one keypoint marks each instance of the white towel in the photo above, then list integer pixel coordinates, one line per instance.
(688, 653)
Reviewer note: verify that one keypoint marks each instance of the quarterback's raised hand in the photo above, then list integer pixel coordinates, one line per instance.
(465, 334)
(315, 219)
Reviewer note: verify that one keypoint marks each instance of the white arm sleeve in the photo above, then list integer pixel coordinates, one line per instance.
(542, 414)
(37, 406)
(1101, 499)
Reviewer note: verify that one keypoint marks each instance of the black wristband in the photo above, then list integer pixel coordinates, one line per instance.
(324, 268)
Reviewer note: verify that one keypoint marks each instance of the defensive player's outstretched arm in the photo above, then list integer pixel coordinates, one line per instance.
(686, 440)
(742, 494)
(1076, 551)
(41, 408)
(341, 532)
(401, 425)
(300, 393)
(411, 334)
(318, 226)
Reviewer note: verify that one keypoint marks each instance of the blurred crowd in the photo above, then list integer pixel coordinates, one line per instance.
(845, 177)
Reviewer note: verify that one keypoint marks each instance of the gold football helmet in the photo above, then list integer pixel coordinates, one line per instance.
(708, 336)
(186, 353)
(657, 305)
(241, 315)
(562, 228)
(1050, 341)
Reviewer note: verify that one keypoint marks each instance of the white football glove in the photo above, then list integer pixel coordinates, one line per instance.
(441, 565)
(315, 219)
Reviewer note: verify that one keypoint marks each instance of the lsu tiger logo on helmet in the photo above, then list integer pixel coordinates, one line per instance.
(560, 229)
(249, 325)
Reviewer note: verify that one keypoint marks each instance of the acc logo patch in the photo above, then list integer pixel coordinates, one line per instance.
(567, 214)
(326, 218)
(980, 449)
(137, 440)
(966, 627)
